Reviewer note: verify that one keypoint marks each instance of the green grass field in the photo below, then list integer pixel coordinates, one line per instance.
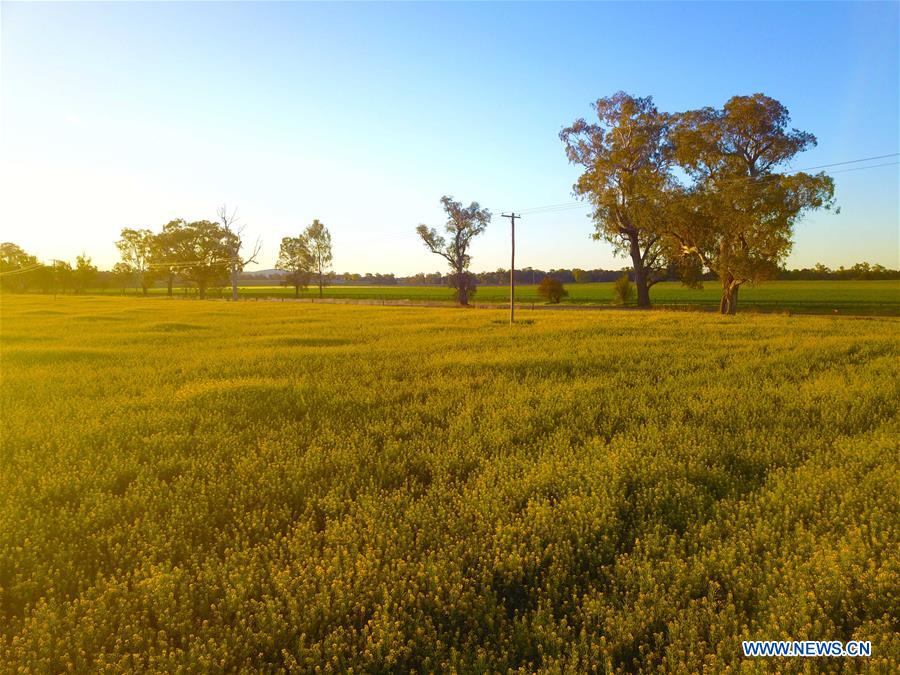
(283, 487)
(809, 297)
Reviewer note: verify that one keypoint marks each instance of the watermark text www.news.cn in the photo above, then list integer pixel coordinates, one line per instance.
(812, 648)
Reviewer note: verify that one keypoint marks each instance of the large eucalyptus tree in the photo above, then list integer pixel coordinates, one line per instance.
(626, 179)
(739, 210)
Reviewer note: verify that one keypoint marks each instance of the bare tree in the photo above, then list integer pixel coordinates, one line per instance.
(236, 263)
(463, 224)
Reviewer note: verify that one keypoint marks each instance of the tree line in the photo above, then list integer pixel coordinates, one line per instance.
(62, 276)
(705, 191)
(533, 275)
(201, 254)
(20, 271)
(858, 272)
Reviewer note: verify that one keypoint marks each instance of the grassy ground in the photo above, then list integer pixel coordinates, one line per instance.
(265, 486)
(810, 297)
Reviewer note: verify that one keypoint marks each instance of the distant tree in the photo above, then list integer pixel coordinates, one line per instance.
(84, 274)
(737, 216)
(17, 268)
(463, 225)
(63, 276)
(236, 262)
(137, 248)
(626, 179)
(13, 258)
(44, 278)
(204, 253)
(879, 271)
(563, 275)
(580, 276)
(623, 290)
(103, 280)
(319, 241)
(552, 290)
(861, 271)
(167, 248)
(122, 275)
(296, 259)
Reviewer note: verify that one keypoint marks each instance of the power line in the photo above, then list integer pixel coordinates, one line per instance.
(22, 270)
(564, 206)
(548, 206)
(859, 168)
(854, 161)
(188, 263)
(773, 176)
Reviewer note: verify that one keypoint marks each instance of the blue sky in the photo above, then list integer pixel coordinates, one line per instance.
(363, 115)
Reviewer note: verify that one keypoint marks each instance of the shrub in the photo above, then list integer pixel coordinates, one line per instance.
(623, 290)
(552, 290)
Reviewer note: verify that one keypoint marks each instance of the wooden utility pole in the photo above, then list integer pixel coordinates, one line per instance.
(512, 265)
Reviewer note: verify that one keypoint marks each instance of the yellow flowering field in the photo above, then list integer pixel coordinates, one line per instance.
(265, 486)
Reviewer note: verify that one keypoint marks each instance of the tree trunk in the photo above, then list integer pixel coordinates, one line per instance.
(462, 287)
(234, 282)
(169, 286)
(640, 275)
(732, 305)
(728, 303)
(201, 289)
(296, 291)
